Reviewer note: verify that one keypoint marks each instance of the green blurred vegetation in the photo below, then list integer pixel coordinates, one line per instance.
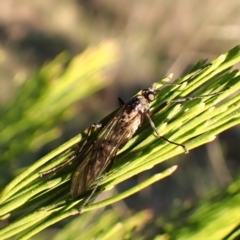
(212, 218)
(39, 41)
(42, 202)
(31, 119)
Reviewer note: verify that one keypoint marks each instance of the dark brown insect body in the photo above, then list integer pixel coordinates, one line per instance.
(115, 134)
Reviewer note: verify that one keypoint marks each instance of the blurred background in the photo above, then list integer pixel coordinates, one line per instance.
(139, 42)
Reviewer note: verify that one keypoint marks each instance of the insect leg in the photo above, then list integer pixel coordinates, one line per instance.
(195, 97)
(160, 136)
(87, 200)
(198, 71)
(94, 125)
(180, 83)
(180, 100)
(42, 174)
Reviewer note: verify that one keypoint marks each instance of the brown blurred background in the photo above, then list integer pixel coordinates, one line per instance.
(155, 38)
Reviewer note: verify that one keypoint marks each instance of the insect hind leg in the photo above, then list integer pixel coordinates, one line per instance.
(52, 170)
(89, 132)
(88, 199)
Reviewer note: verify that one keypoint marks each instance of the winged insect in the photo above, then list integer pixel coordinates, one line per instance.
(99, 157)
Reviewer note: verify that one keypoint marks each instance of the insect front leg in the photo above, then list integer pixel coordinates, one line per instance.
(89, 132)
(180, 100)
(160, 136)
(198, 72)
(180, 83)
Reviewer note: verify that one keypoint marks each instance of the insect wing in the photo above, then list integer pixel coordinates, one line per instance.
(98, 157)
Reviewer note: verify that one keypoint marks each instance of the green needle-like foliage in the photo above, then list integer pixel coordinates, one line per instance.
(217, 217)
(47, 98)
(36, 203)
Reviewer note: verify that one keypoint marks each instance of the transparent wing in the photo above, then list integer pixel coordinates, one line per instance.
(100, 155)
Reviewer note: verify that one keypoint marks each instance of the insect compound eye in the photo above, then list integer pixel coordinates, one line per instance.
(150, 96)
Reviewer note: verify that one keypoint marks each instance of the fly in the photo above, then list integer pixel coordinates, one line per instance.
(100, 156)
